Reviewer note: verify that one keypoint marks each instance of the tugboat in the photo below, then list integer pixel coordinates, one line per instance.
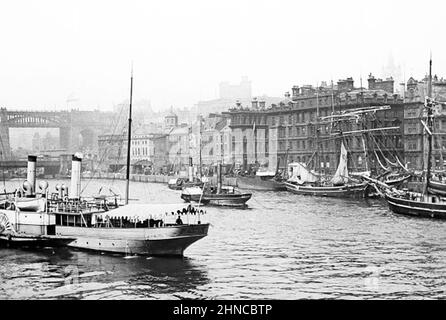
(181, 183)
(220, 196)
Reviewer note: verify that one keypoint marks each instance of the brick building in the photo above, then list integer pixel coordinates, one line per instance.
(271, 137)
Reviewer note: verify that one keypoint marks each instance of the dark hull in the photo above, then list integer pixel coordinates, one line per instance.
(416, 208)
(259, 184)
(34, 241)
(231, 200)
(164, 241)
(436, 187)
(353, 190)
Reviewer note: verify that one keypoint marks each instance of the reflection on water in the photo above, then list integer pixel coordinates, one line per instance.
(64, 273)
(283, 246)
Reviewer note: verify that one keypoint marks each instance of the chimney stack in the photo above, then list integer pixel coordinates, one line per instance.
(75, 187)
(254, 103)
(31, 173)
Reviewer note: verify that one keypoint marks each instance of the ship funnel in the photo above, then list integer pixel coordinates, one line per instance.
(31, 173)
(75, 188)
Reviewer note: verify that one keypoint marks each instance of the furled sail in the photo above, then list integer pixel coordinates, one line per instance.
(299, 173)
(341, 175)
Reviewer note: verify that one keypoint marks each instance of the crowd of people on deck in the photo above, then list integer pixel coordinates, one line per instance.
(152, 222)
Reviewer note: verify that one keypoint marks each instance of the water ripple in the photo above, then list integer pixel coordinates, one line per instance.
(283, 246)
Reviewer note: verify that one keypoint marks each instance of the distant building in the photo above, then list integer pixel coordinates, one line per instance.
(170, 121)
(143, 151)
(379, 84)
(242, 91)
(228, 95)
(112, 151)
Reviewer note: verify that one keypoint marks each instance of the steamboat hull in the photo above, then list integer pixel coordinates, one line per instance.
(164, 241)
(33, 241)
(357, 190)
(258, 184)
(416, 208)
(230, 200)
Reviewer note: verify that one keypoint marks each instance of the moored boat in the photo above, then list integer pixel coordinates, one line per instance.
(306, 182)
(228, 196)
(219, 196)
(417, 205)
(349, 190)
(428, 204)
(437, 187)
(261, 181)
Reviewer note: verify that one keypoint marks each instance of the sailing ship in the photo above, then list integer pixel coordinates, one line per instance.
(307, 182)
(219, 196)
(427, 204)
(101, 225)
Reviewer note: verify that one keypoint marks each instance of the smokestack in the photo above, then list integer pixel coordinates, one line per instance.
(31, 174)
(254, 103)
(75, 187)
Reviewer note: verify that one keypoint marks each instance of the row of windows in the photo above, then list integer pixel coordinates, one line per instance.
(139, 142)
(139, 151)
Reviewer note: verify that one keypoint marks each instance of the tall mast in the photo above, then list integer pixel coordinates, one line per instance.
(201, 173)
(129, 140)
(429, 128)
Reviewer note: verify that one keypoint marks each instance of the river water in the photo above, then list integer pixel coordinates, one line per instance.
(283, 246)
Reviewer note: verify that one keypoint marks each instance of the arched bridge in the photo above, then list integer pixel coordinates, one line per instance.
(77, 129)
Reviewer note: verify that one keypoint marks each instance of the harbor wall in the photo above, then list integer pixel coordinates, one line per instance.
(231, 181)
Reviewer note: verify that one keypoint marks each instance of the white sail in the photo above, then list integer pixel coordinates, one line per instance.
(300, 173)
(341, 175)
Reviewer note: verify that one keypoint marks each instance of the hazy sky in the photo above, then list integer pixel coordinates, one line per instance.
(55, 50)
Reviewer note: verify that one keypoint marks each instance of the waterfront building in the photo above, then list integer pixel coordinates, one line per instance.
(142, 152)
(273, 136)
(214, 132)
(112, 151)
(179, 147)
(415, 147)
